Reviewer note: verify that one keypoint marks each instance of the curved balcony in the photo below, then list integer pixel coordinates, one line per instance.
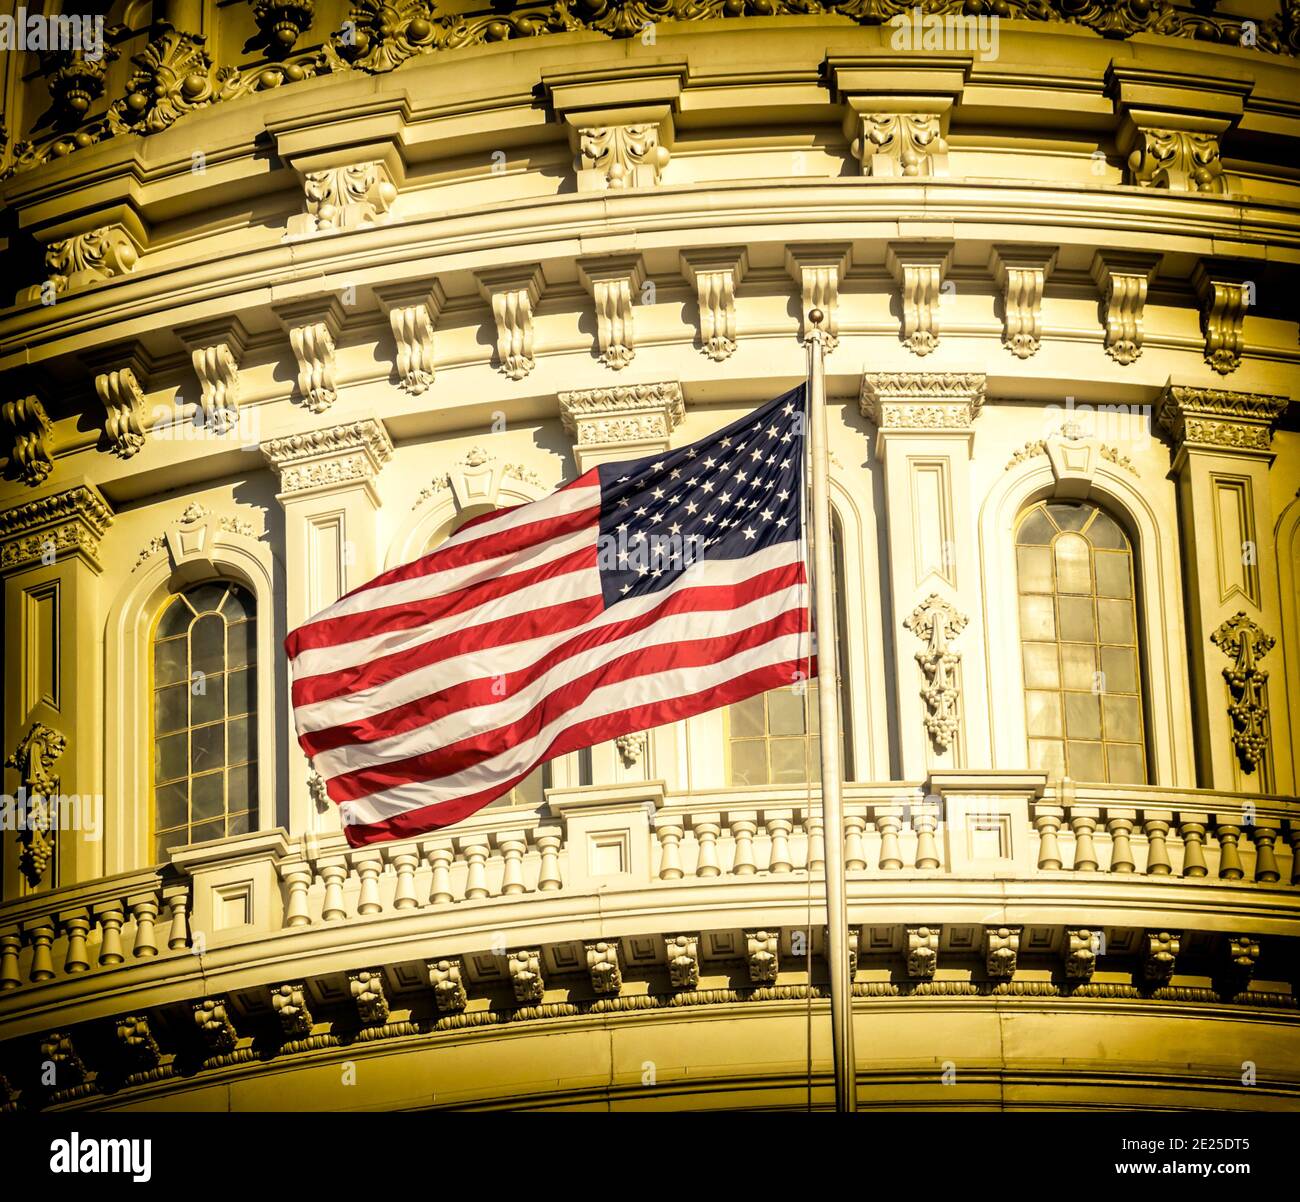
(985, 891)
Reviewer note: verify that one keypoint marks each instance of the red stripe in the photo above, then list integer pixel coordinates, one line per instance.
(492, 546)
(497, 633)
(597, 730)
(484, 690)
(409, 615)
(648, 661)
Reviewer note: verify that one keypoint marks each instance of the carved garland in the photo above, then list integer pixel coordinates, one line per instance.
(1246, 644)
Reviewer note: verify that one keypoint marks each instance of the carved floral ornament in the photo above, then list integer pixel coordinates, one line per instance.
(329, 457)
(475, 478)
(936, 623)
(1242, 641)
(33, 759)
(192, 532)
(175, 73)
(47, 529)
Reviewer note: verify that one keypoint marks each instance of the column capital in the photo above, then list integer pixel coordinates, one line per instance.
(621, 422)
(918, 402)
(320, 460)
(46, 528)
(1216, 420)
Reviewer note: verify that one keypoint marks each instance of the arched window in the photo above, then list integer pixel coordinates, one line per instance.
(772, 739)
(1078, 632)
(204, 716)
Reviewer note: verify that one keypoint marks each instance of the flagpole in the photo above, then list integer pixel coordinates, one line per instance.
(828, 693)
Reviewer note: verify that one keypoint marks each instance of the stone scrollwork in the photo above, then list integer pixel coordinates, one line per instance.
(282, 22)
(683, 952)
(1001, 951)
(761, 954)
(137, 1042)
(1081, 946)
(1246, 644)
(919, 268)
(1160, 952)
(620, 156)
(936, 623)
(216, 350)
(922, 952)
(1179, 159)
(614, 284)
(1124, 281)
(33, 759)
(635, 416)
(412, 315)
(1224, 303)
(67, 522)
(603, 967)
(513, 293)
(716, 275)
(447, 979)
(124, 410)
(26, 429)
(901, 144)
(818, 270)
(92, 257)
(75, 81)
(326, 458)
(525, 969)
(367, 990)
(1021, 272)
(1219, 420)
(380, 35)
(289, 1002)
(174, 75)
(313, 327)
(344, 198)
(215, 1028)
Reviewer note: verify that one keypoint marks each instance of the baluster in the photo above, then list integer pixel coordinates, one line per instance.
(743, 829)
(670, 849)
(475, 851)
(144, 909)
(926, 823)
(405, 862)
(707, 827)
(889, 821)
(779, 825)
(855, 858)
(512, 848)
(75, 925)
(812, 825)
(111, 918)
(548, 843)
(333, 873)
(1157, 829)
(1048, 820)
(1121, 851)
(368, 865)
(1229, 857)
(178, 907)
(10, 945)
(1193, 835)
(440, 855)
(40, 934)
(1085, 853)
(298, 877)
(1265, 858)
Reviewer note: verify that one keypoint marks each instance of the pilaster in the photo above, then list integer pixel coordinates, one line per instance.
(925, 424)
(1221, 463)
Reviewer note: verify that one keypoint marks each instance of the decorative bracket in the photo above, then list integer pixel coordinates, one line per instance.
(614, 284)
(330, 458)
(715, 275)
(622, 156)
(290, 1005)
(216, 348)
(513, 293)
(1081, 946)
(1124, 280)
(922, 952)
(892, 144)
(91, 257)
(631, 747)
(526, 976)
(217, 1031)
(345, 197)
(819, 269)
(27, 430)
(761, 954)
(920, 268)
(1021, 272)
(1001, 951)
(935, 622)
(1159, 955)
(1216, 420)
(1246, 644)
(313, 326)
(602, 964)
(412, 313)
(367, 989)
(447, 980)
(683, 952)
(1224, 301)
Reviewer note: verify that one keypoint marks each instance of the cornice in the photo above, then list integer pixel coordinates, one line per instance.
(331, 457)
(1218, 420)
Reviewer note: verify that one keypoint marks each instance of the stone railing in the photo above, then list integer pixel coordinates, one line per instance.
(633, 840)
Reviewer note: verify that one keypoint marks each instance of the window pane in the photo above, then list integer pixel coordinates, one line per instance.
(1076, 619)
(1041, 670)
(208, 795)
(1043, 713)
(237, 605)
(1078, 665)
(169, 758)
(1105, 532)
(171, 708)
(208, 644)
(1035, 569)
(1126, 763)
(241, 787)
(1036, 529)
(749, 762)
(207, 597)
(1113, 574)
(207, 747)
(176, 619)
(1122, 717)
(238, 824)
(1068, 515)
(789, 760)
(1036, 619)
(207, 699)
(1120, 666)
(169, 661)
(1047, 754)
(242, 699)
(208, 830)
(173, 805)
(239, 745)
(241, 640)
(1073, 570)
(1116, 619)
(785, 713)
(1083, 715)
(1085, 761)
(747, 719)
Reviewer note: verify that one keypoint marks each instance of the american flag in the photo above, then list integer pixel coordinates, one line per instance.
(643, 592)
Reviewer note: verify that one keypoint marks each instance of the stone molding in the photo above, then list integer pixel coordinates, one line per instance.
(329, 458)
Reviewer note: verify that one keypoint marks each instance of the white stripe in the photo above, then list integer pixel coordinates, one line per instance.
(502, 712)
(514, 657)
(611, 699)
(571, 585)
